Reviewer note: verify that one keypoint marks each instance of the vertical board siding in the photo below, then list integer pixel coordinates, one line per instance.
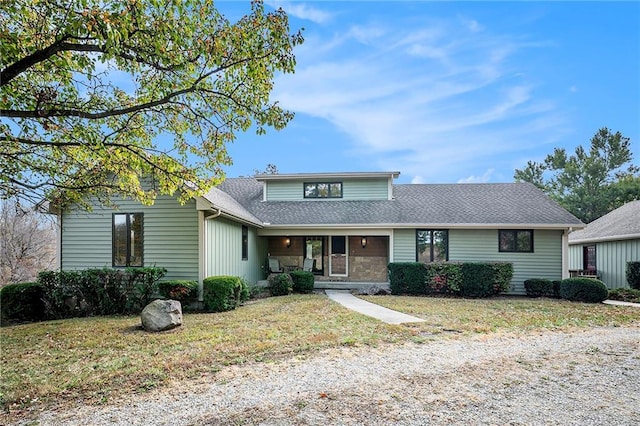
(612, 258)
(352, 189)
(224, 251)
(575, 257)
(482, 246)
(404, 245)
(170, 236)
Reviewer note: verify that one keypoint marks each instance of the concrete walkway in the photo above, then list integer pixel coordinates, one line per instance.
(348, 300)
(621, 303)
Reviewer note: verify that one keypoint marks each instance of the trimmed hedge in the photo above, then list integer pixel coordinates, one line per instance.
(280, 284)
(303, 281)
(625, 295)
(633, 274)
(539, 287)
(182, 290)
(477, 280)
(443, 277)
(587, 290)
(502, 276)
(104, 291)
(223, 293)
(407, 278)
(21, 303)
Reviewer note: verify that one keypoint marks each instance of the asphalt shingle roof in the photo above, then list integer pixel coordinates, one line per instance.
(621, 223)
(425, 204)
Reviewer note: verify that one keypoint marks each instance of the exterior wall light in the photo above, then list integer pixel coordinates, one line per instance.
(287, 242)
(363, 242)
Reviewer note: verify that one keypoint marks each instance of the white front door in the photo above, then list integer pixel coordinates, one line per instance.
(338, 261)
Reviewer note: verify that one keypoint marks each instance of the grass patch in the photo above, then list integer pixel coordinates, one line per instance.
(94, 360)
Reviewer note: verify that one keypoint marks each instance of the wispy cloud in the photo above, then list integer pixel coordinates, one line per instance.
(485, 177)
(422, 97)
(302, 11)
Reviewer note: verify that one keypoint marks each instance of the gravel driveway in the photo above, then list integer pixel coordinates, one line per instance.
(587, 377)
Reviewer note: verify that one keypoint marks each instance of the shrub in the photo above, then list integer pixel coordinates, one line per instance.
(477, 280)
(280, 284)
(222, 293)
(443, 277)
(98, 291)
(303, 281)
(625, 295)
(538, 287)
(502, 275)
(556, 288)
(587, 290)
(407, 278)
(633, 274)
(181, 290)
(21, 302)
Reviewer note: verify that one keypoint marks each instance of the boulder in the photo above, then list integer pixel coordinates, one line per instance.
(161, 315)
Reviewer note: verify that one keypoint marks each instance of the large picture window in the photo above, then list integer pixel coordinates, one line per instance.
(432, 245)
(323, 190)
(513, 240)
(127, 245)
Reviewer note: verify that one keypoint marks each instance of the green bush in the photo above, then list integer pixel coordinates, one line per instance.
(303, 281)
(502, 275)
(21, 303)
(633, 274)
(98, 291)
(223, 293)
(539, 287)
(556, 288)
(182, 290)
(625, 295)
(280, 284)
(443, 277)
(407, 278)
(477, 280)
(587, 290)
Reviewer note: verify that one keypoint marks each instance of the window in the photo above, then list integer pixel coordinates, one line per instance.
(432, 245)
(589, 258)
(515, 241)
(127, 245)
(323, 190)
(245, 243)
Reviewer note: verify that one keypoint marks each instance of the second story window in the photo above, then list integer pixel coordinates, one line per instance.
(323, 190)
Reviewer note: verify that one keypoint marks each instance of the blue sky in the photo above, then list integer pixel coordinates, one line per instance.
(449, 91)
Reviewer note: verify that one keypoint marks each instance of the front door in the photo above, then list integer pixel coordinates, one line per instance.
(338, 256)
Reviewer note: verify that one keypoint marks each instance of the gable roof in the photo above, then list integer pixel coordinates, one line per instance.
(423, 205)
(621, 224)
(229, 206)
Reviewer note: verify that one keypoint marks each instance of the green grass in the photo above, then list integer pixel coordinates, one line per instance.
(95, 360)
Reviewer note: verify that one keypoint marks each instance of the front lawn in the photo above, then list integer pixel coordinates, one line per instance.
(94, 360)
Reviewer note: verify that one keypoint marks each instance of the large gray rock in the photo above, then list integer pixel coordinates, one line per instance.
(161, 315)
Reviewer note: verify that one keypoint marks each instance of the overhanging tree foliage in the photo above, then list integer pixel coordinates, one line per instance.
(95, 95)
(589, 183)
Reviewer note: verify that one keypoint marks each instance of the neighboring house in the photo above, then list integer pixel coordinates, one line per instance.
(350, 224)
(605, 246)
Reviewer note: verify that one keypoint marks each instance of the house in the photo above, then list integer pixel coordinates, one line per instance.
(349, 226)
(604, 247)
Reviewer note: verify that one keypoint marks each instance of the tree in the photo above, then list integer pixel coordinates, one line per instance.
(271, 169)
(97, 95)
(589, 183)
(27, 243)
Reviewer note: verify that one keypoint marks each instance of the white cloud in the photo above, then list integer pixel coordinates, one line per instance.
(424, 100)
(302, 11)
(418, 179)
(486, 177)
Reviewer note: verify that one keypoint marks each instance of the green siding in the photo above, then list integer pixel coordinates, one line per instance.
(352, 189)
(611, 260)
(482, 246)
(224, 251)
(404, 245)
(170, 236)
(467, 245)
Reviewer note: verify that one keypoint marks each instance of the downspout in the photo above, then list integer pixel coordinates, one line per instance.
(203, 230)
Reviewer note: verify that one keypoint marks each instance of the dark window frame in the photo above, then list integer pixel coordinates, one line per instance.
(585, 257)
(245, 242)
(514, 233)
(431, 244)
(129, 255)
(317, 193)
